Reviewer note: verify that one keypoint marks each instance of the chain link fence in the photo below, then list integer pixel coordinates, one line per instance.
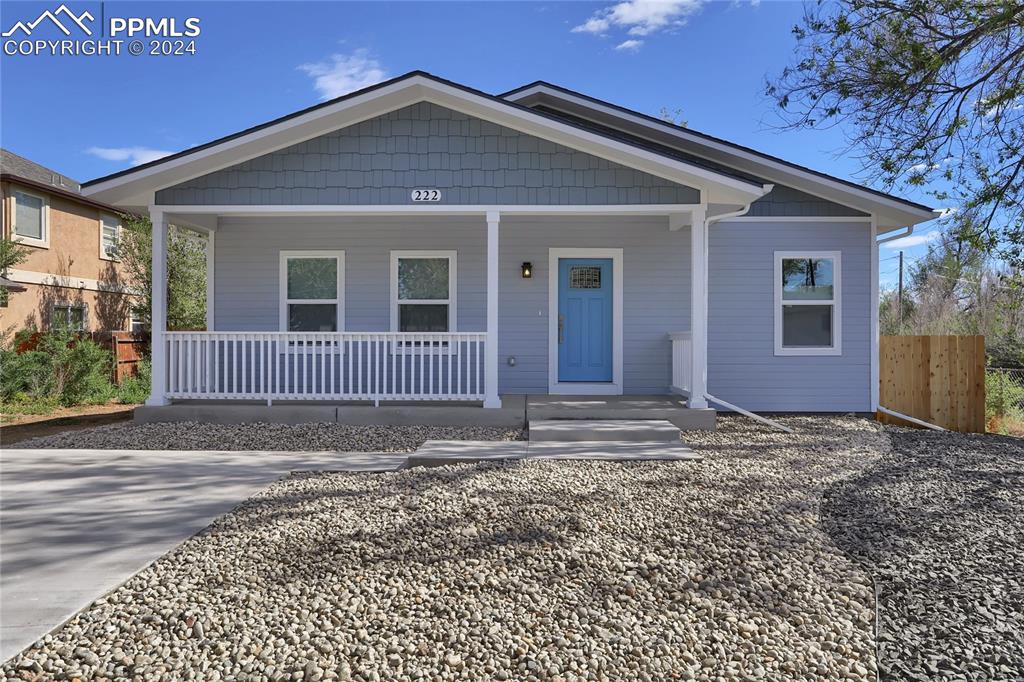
(1004, 400)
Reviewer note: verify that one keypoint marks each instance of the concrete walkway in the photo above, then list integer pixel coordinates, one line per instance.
(78, 523)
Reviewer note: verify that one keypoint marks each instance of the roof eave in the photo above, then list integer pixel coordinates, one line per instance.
(137, 186)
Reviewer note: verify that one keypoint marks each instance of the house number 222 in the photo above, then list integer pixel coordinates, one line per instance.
(426, 195)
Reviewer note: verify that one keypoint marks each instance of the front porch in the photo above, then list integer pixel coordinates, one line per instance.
(516, 411)
(345, 343)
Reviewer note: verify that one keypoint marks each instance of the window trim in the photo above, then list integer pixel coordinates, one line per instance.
(84, 307)
(283, 299)
(451, 302)
(836, 302)
(43, 243)
(120, 228)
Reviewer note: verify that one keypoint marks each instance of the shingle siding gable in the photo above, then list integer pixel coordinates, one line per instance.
(472, 161)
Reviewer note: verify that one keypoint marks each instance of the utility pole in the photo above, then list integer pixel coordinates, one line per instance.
(899, 296)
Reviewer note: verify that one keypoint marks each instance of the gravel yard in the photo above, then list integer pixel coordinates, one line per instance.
(536, 570)
(262, 436)
(941, 522)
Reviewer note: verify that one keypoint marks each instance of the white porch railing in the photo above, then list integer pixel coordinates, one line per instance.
(680, 361)
(325, 366)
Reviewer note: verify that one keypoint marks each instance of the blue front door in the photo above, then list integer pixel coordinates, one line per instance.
(585, 319)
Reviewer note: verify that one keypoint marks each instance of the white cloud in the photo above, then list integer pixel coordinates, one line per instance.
(133, 155)
(913, 240)
(343, 73)
(640, 17)
(631, 45)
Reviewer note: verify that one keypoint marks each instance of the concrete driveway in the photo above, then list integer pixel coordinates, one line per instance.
(74, 524)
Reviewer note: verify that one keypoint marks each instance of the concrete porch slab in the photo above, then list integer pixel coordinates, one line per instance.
(667, 407)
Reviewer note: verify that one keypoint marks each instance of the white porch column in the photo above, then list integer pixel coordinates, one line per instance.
(698, 308)
(491, 398)
(158, 310)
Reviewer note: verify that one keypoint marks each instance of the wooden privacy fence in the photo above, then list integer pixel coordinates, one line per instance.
(938, 379)
(128, 348)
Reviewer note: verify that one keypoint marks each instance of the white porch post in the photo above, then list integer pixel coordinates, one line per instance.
(698, 308)
(210, 259)
(158, 310)
(491, 398)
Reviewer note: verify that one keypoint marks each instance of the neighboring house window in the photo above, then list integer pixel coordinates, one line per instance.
(31, 218)
(808, 318)
(136, 321)
(423, 291)
(110, 236)
(70, 316)
(312, 291)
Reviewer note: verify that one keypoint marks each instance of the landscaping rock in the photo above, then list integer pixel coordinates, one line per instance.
(263, 436)
(939, 522)
(525, 570)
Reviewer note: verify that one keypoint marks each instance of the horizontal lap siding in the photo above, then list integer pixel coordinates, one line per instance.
(742, 366)
(656, 264)
(656, 295)
(248, 256)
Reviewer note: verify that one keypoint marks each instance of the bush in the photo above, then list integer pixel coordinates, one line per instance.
(61, 369)
(1004, 395)
(135, 390)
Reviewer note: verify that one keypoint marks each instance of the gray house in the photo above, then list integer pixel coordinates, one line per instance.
(419, 240)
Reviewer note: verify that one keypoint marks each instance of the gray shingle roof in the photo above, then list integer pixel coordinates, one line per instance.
(30, 170)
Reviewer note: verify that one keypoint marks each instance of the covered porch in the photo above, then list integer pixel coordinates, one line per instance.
(505, 320)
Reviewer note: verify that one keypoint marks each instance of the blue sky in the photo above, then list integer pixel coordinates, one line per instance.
(87, 116)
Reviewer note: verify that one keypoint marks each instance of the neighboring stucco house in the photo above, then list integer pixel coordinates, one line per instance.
(71, 275)
(422, 240)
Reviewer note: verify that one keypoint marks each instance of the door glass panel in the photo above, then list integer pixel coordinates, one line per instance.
(807, 279)
(313, 278)
(585, 277)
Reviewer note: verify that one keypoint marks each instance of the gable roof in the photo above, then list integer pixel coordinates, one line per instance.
(714, 150)
(134, 187)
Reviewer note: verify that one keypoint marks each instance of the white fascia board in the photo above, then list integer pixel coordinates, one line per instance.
(137, 188)
(193, 213)
(757, 164)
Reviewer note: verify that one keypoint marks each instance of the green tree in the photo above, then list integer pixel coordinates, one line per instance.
(11, 253)
(186, 271)
(929, 92)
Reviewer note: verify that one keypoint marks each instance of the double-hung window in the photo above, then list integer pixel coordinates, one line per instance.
(110, 236)
(808, 317)
(31, 218)
(312, 291)
(423, 291)
(69, 316)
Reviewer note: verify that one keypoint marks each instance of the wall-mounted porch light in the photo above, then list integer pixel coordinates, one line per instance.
(527, 270)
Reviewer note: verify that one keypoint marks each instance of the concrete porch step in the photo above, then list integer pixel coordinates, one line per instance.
(435, 453)
(576, 430)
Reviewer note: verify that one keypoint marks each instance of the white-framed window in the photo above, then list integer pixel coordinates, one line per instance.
(31, 213)
(312, 291)
(808, 311)
(71, 316)
(423, 286)
(136, 321)
(110, 236)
